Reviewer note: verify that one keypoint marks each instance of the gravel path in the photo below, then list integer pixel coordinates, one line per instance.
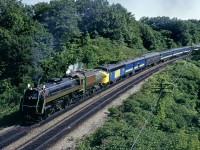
(91, 124)
(4, 130)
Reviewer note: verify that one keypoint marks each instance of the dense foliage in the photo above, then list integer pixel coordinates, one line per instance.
(23, 44)
(44, 39)
(146, 122)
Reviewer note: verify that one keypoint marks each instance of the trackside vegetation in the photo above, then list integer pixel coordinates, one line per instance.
(144, 122)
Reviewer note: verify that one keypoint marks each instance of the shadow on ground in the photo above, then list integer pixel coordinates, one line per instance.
(10, 120)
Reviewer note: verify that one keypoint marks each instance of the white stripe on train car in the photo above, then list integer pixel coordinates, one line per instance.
(141, 65)
(129, 70)
(166, 57)
(177, 53)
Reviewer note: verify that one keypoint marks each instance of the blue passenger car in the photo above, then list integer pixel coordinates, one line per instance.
(178, 51)
(138, 63)
(165, 55)
(128, 66)
(188, 49)
(151, 58)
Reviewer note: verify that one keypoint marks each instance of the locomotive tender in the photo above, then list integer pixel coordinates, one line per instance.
(39, 102)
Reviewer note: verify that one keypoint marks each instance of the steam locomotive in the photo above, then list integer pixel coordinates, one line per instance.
(58, 93)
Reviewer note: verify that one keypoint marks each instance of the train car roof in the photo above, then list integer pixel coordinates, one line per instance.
(198, 45)
(128, 61)
(173, 49)
(148, 55)
(138, 58)
(111, 66)
(181, 48)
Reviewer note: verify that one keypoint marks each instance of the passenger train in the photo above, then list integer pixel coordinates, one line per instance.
(58, 93)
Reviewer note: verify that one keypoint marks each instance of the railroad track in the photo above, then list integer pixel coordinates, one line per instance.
(50, 136)
(11, 135)
(16, 132)
(55, 132)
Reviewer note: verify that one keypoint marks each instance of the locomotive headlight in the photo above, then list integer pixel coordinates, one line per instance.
(29, 86)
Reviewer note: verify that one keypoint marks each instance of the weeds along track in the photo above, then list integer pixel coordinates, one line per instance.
(47, 136)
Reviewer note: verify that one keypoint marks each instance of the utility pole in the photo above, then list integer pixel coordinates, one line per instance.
(161, 90)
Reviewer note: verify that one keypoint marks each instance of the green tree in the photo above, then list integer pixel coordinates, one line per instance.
(60, 19)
